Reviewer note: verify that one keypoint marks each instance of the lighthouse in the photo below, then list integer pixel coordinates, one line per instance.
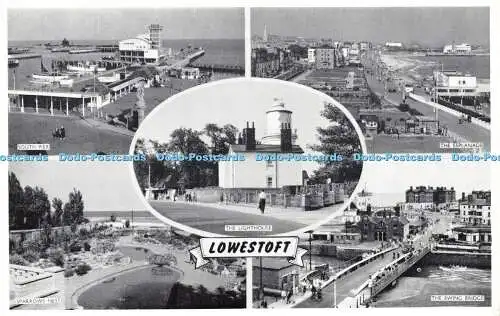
(261, 169)
(278, 118)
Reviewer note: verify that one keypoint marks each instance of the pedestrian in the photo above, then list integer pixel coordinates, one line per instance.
(63, 132)
(262, 201)
(289, 296)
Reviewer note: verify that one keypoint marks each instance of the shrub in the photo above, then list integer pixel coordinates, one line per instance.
(69, 273)
(31, 256)
(83, 232)
(56, 256)
(31, 245)
(86, 246)
(75, 247)
(82, 269)
(17, 259)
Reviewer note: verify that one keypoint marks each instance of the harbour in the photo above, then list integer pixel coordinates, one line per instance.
(97, 81)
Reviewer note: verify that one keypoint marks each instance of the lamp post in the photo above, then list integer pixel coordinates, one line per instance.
(310, 248)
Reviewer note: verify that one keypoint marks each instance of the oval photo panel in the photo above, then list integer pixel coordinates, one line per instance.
(248, 157)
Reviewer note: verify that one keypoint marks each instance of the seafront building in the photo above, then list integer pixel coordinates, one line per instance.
(422, 197)
(144, 48)
(475, 208)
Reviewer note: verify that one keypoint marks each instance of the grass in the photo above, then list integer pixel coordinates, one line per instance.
(80, 136)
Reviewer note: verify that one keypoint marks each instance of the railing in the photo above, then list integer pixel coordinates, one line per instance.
(395, 269)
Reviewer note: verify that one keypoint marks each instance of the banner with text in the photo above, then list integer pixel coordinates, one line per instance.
(231, 247)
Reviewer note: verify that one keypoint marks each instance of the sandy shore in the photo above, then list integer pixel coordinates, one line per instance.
(407, 67)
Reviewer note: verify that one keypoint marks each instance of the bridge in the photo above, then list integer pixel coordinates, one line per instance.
(356, 285)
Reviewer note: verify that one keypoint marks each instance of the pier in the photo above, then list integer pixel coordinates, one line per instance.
(183, 62)
(237, 69)
(24, 56)
(107, 48)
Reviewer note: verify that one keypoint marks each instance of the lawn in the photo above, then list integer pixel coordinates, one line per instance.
(80, 135)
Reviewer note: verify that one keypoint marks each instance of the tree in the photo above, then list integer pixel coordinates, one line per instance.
(187, 141)
(37, 206)
(57, 218)
(73, 209)
(16, 207)
(341, 138)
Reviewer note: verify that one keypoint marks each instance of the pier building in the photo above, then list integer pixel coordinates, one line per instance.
(144, 48)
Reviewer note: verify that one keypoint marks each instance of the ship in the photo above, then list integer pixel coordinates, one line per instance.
(85, 68)
(50, 77)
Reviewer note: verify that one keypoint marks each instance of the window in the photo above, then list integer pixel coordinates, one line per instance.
(269, 182)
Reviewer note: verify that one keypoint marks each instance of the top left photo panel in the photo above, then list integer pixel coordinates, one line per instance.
(82, 80)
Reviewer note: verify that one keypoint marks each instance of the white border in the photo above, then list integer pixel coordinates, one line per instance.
(213, 85)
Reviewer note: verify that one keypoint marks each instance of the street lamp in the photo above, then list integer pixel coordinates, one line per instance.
(310, 248)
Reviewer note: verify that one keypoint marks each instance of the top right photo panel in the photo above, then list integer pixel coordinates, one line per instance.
(416, 79)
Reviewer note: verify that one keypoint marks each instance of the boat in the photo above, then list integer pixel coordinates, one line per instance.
(48, 77)
(13, 63)
(16, 50)
(85, 68)
(115, 77)
(83, 51)
(59, 50)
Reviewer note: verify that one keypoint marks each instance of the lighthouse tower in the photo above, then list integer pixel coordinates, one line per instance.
(278, 117)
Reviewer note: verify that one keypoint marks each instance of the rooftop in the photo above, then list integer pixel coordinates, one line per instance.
(473, 229)
(265, 148)
(273, 264)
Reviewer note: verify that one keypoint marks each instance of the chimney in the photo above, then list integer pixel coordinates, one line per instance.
(250, 137)
(286, 138)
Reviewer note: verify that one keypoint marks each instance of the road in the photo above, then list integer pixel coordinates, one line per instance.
(346, 284)
(467, 132)
(213, 219)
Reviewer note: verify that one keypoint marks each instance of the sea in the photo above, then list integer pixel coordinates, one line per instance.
(217, 51)
(478, 65)
(415, 287)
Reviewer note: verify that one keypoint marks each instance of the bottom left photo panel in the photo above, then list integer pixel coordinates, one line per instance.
(80, 237)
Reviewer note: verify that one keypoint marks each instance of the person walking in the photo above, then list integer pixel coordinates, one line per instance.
(262, 201)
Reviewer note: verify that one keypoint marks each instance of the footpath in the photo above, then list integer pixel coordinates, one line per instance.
(295, 214)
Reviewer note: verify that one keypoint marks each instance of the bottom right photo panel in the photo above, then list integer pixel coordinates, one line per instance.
(418, 234)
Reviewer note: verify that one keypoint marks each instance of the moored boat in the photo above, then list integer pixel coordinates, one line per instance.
(85, 68)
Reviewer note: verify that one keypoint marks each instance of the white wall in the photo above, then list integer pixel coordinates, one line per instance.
(253, 174)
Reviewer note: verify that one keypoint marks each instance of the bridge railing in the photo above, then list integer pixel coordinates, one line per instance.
(361, 263)
(394, 269)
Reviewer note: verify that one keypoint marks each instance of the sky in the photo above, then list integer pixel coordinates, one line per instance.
(105, 186)
(390, 180)
(117, 24)
(236, 102)
(431, 26)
